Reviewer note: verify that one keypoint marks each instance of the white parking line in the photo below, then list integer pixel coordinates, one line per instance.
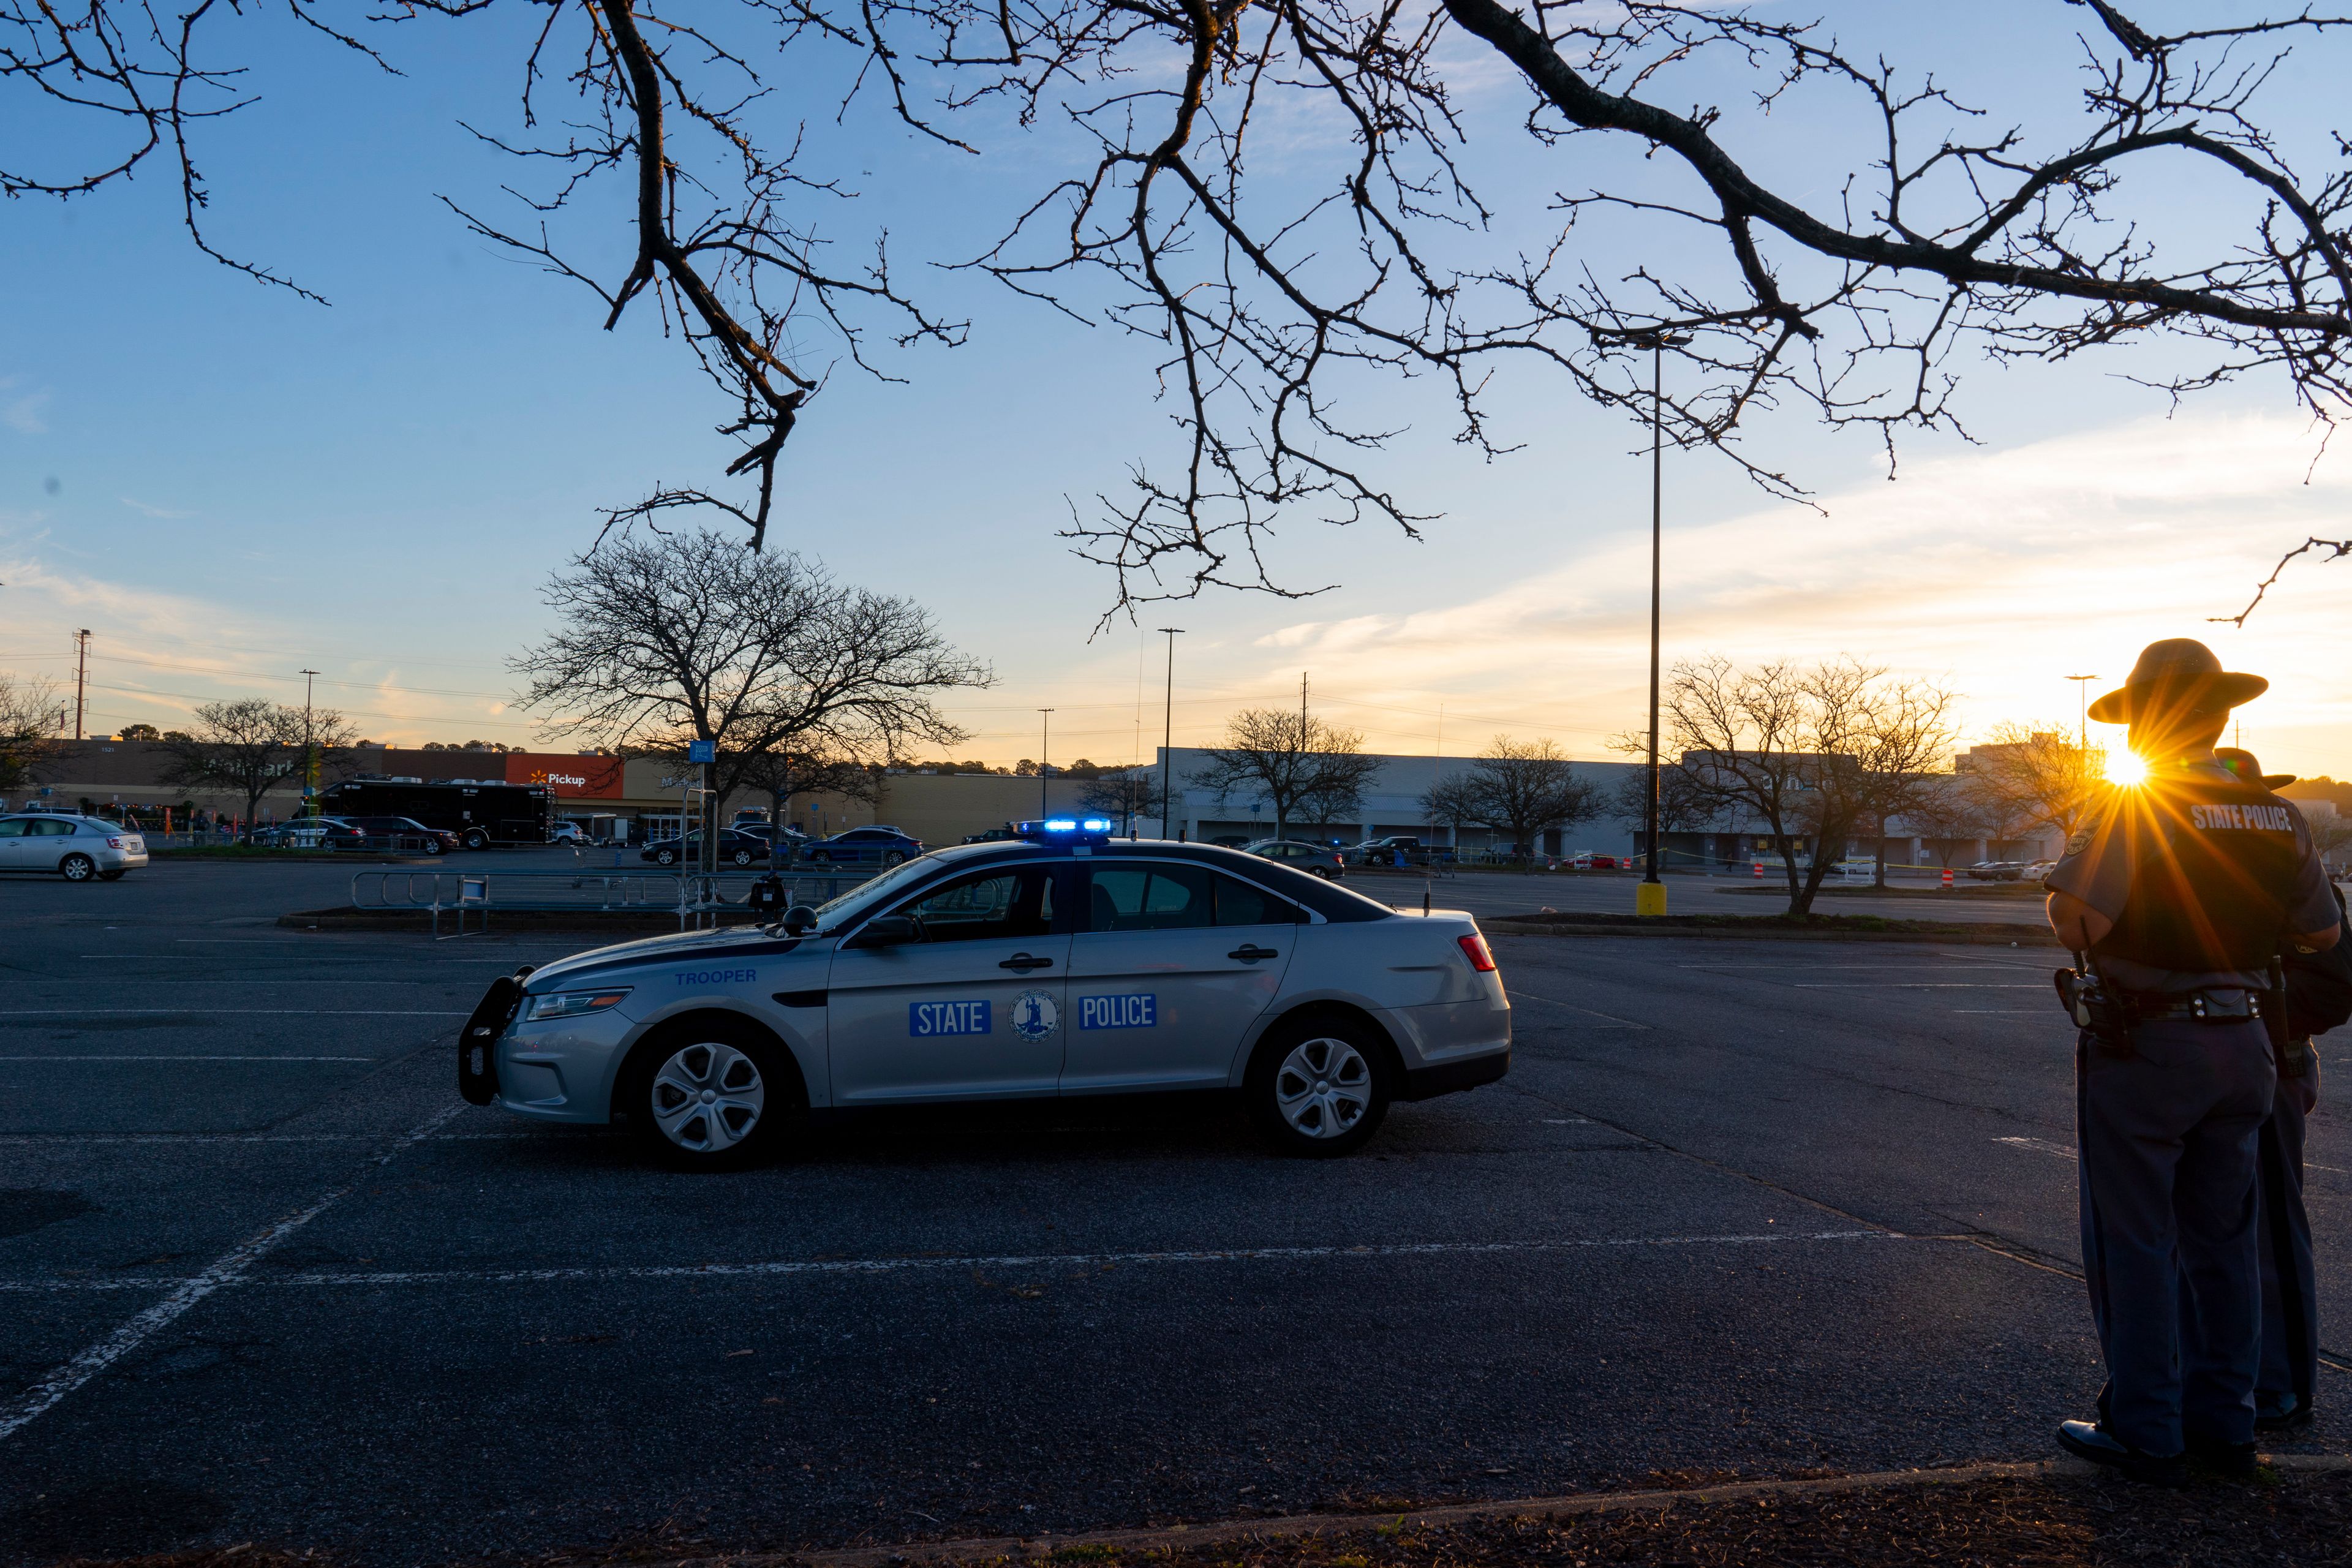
(228, 1269)
(1621, 1023)
(2040, 1146)
(1004, 1260)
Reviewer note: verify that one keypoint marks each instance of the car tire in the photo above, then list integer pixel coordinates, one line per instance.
(820, 856)
(666, 858)
(1325, 872)
(77, 868)
(742, 857)
(477, 839)
(1320, 1088)
(743, 1066)
(894, 858)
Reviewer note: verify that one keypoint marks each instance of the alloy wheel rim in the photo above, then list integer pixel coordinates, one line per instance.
(1323, 1088)
(707, 1097)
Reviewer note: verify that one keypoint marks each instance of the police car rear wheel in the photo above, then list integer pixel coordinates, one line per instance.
(1320, 1090)
(713, 1096)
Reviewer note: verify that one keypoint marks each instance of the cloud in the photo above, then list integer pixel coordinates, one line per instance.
(2001, 572)
(22, 413)
(162, 514)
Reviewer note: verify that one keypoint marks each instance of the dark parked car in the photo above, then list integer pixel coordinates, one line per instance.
(991, 835)
(876, 845)
(734, 850)
(1997, 871)
(401, 833)
(1397, 849)
(310, 832)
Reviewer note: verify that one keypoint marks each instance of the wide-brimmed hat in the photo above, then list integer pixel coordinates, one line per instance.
(2242, 763)
(2180, 674)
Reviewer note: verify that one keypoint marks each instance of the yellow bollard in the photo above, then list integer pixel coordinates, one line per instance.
(1649, 897)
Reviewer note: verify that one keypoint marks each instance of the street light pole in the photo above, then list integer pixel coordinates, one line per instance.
(1045, 747)
(2082, 695)
(81, 676)
(1168, 733)
(310, 752)
(1650, 897)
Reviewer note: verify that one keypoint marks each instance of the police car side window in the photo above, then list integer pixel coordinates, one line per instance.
(13, 830)
(991, 904)
(1168, 896)
(1239, 904)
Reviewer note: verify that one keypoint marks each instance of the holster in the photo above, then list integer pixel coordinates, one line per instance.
(2098, 1011)
(2284, 1054)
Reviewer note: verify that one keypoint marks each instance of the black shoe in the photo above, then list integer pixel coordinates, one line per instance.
(2287, 1415)
(2234, 1461)
(2089, 1440)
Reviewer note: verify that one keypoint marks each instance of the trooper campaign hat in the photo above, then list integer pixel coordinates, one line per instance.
(2178, 675)
(2242, 763)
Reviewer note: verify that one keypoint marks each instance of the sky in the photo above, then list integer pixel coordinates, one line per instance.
(227, 484)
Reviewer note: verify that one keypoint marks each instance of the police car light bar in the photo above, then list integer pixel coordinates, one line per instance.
(1065, 829)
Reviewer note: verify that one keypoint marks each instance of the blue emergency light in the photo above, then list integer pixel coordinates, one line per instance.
(1065, 830)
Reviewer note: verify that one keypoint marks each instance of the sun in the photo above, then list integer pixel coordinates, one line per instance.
(2127, 768)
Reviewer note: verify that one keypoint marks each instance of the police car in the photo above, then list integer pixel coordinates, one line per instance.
(1061, 962)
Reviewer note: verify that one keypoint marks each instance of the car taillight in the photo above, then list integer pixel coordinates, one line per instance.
(1473, 948)
(114, 843)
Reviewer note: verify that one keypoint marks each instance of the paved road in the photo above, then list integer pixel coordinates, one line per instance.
(1739, 1209)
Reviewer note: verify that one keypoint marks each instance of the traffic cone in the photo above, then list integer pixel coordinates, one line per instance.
(1759, 867)
(1948, 875)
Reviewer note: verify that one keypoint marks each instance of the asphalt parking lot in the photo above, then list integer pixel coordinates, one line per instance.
(1756, 1209)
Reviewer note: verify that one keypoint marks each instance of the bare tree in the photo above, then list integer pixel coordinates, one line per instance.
(782, 773)
(665, 639)
(1905, 228)
(1452, 800)
(1526, 788)
(2331, 835)
(2027, 777)
(1683, 807)
(252, 746)
(1123, 793)
(28, 721)
(1808, 752)
(1291, 759)
(1947, 811)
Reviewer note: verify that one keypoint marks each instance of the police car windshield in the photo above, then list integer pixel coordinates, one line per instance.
(880, 887)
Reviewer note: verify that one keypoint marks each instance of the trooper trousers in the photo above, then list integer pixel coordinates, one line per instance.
(2169, 1136)
(2290, 1364)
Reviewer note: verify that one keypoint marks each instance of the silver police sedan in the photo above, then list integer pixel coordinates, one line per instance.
(1061, 962)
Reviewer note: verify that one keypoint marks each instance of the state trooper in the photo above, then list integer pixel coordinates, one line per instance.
(2315, 1000)
(2175, 898)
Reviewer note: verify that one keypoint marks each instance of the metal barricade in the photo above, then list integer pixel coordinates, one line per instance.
(697, 900)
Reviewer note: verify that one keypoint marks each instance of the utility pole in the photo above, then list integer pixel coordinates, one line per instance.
(1168, 733)
(81, 675)
(1302, 710)
(310, 752)
(1044, 745)
(2083, 702)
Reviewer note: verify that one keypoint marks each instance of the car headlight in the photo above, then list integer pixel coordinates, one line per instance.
(571, 1004)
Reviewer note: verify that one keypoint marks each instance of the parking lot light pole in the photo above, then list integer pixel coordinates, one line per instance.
(2082, 697)
(309, 750)
(1650, 897)
(1045, 746)
(1168, 734)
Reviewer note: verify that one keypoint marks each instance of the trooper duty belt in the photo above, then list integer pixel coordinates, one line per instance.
(2217, 1005)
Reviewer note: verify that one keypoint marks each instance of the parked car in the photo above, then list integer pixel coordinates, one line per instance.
(308, 832)
(2037, 870)
(734, 850)
(990, 835)
(1396, 849)
(1157, 967)
(1315, 859)
(787, 839)
(1230, 841)
(1594, 860)
(876, 845)
(566, 832)
(79, 848)
(1997, 871)
(402, 833)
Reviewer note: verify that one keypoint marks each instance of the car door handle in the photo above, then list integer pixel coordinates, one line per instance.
(1022, 960)
(1250, 952)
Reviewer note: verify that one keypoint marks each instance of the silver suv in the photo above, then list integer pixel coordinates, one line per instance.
(79, 848)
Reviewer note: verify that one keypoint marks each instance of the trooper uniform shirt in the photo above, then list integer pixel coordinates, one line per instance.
(2202, 873)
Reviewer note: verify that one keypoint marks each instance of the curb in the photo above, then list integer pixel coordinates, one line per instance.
(992, 1548)
(1988, 934)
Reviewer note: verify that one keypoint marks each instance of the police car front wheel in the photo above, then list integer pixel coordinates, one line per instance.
(1319, 1090)
(713, 1096)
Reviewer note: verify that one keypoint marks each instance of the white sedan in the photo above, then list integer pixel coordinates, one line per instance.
(1060, 963)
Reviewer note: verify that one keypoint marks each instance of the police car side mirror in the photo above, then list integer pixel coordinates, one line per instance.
(798, 919)
(888, 930)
